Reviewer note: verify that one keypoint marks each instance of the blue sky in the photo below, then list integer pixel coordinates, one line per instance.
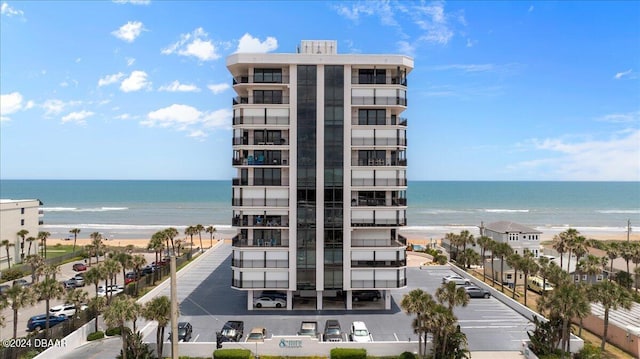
(500, 90)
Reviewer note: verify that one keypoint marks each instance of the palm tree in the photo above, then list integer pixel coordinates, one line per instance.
(579, 247)
(612, 252)
(97, 305)
(560, 245)
(179, 246)
(30, 240)
(492, 247)
(611, 296)
(502, 250)
(190, 231)
(626, 252)
(96, 241)
(543, 269)
(529, 267)
(22, 234)
(441, 323)
(43, 236)
(199, 229)
(158, 309)
(47, 290)
(125, 262)
(75, 232)
(452, 295)
(454, 240)
(94, 275)
(466, 238)
(637, 274)
(569, 236)
(90, 249)
(211, 230)
(77, 297)
(121, 310)
(514, 261)
(484, 242)
(111, 268)
(469, 257)
(156, 243)
(7, 245)
(420, 303)
(138, 261)
(19, 297)
(171, 233)
(591, 265)
(35, 261)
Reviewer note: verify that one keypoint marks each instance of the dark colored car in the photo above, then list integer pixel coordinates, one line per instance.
(184, 332)
(4, 288)
(332, 331)
(274, 294)
(21, 282)
(79, 267)
(131, 277)
(38, 322)
(149, 269)
(476, 292)
(231, 331)
(371, 295)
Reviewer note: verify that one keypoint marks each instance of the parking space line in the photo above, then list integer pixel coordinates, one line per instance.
(395, 336)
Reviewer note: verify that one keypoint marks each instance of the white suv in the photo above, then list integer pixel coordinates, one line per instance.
(360, 333)
(68, 310)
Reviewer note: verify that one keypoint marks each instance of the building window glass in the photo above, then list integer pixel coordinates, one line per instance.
(267, 75)
(372, 117)
(22, 222)
(21, 210)
(267, 96)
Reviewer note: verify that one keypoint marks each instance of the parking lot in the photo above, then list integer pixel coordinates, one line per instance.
(207, 301)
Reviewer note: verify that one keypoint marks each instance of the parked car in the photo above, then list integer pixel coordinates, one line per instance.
(131, 277)
(79, 267)
(274, 294)
(184, 332)
(69, 283)
(68, 309)
(149, 269)
(309, 328)
(231, 331)
(360, 295)
(111, 290)
(4, 288)
(21, 282)
(455, 278)
(332, 331)
(266, 302)
(38, 322)
(360, 333)
(257, 334)
(476, 292)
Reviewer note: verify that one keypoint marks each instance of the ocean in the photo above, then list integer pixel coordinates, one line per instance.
(137, 209)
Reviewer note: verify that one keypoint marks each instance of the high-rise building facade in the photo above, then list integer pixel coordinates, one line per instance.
(319, 146)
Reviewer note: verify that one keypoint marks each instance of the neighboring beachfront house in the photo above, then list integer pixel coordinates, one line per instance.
(16, 215)
(518, 236)
(320, 153)
(499, 277)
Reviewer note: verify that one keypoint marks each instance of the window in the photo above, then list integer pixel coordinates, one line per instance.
(22, 222)
(509, 276)
(584, 277)
(576, 277)
(371, 117)
(372, 76)
(21, 210)
(267, 75)
(599, 277)
(267, 177)
(267, 96)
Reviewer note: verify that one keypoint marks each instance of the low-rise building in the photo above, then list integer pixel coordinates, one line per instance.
(518, 236)
(15, 216)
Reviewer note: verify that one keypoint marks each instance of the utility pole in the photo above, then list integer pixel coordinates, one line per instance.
(174, 309)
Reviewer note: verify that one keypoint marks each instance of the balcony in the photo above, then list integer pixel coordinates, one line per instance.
(261, 79)
(402, 121)
(388, 182)
(238, 241)
(260, 221)
(379, 264)
(378, 242)
(378, 100)
(378, 141)
(240, 100)
(261, 284)
(280, 100)
(382, 222)
(371, 284)
(378, 80)
(239, 181)
(378, 202)
(259, 263)
(260, 202)
(261, 120)
(381, 162)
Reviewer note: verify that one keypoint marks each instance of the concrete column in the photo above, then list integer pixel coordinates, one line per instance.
(387, 299)
(289, 300)
(349, 300)
(250, 294)
(319, 300)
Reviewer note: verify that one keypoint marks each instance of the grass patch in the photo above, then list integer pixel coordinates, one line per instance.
(59, 250)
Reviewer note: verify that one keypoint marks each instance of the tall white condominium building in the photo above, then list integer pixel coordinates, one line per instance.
(16, 216)
(320, 147)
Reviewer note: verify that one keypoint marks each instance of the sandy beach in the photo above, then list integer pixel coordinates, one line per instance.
(136, 242)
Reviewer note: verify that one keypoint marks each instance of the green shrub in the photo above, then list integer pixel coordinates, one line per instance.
(112, 331)
(29, 355)
(589, 351)
(348, 353)
(232, 354)
(95, 336)
(407, 355)
(12, 274)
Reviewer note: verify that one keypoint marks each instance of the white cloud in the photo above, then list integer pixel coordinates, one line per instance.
(621, 117)
(110, 79)
(54, 107)
(530, 8)
(252, 44)
(622, 74)
(196, 44)
(176, 86)
(10, 104)
(124, 116)
(616, 158)
(354, 11)
(471, 43)
(130, 61)
(77, 117)
(133, 2)
(218, 88)
(7, 10)
(188, 118)
(135, 82)
(129, 31)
